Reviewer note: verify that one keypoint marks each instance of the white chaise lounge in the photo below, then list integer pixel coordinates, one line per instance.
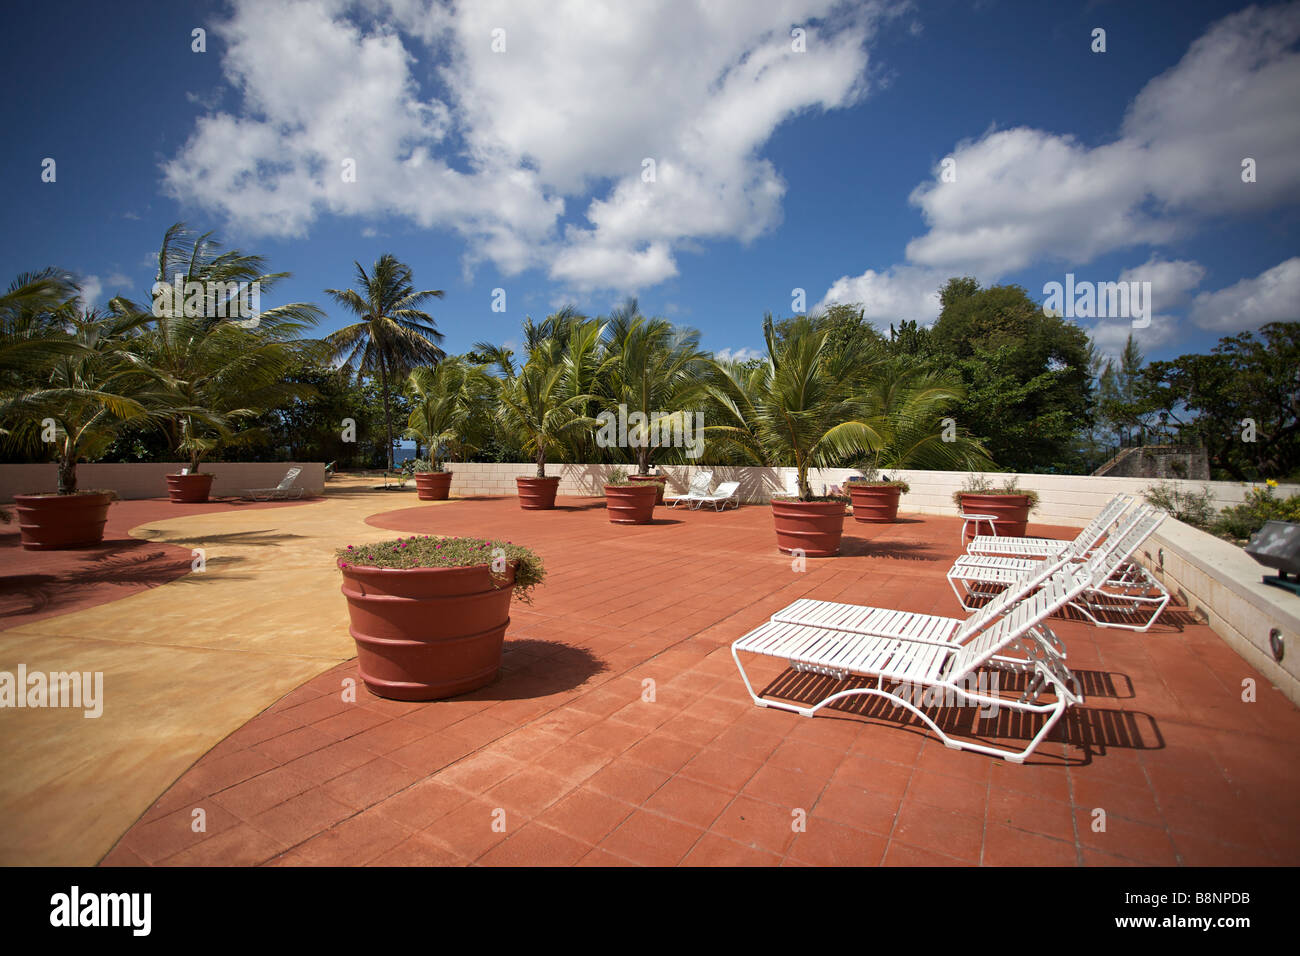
(1084, 542)
(285, 489)
(922, 654)
(1122, 594)
(725, 494)
(699, 487)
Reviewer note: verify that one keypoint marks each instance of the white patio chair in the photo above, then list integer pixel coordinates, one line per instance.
(726, 493)
(925, 660)
(699, 487)
(1082, 543)
(1120, 587)
(285, 489)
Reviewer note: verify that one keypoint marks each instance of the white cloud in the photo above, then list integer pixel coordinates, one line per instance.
(1023, 197)
(92, 289)
(901, 292)
(567, 113)
(743, 354)
(1271, 296)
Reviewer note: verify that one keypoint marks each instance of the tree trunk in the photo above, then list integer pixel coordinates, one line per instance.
(541, 464)
(643, 461)
(68, 474)
(388, 413)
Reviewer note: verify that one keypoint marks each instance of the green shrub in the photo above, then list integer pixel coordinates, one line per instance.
(1193, 507)
(1239, 522)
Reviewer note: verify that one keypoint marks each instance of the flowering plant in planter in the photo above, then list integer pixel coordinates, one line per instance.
(874, 479)
(429, 615)
(428, 551)
(1009, 506)
(978, 483)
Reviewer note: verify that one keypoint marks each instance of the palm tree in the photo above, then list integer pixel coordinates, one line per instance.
(905, 403)
(817, 402)
(655, 370)
(537, 407)
(29, 311)
(90, 393)
(448, 397)
(216, 373)
(393, 336)
(805, 405)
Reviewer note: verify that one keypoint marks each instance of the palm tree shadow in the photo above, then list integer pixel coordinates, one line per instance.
(894, 550)
(136, 565)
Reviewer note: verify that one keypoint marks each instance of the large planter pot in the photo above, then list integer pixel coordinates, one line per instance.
(1011, 512)
(189, 489)
(659, 481)
(428, 633)
(56, 522)
(630, 504)
(432, 485)
(874, 504)
(813, 527)
(537, 494)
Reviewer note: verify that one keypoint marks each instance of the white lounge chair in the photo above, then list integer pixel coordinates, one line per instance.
(1082, 543)
(924, 658)
(285, 489)
(726, 493)
(699, 487)
(1120, 587)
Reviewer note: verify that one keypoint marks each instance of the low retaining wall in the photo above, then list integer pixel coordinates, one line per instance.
(1222, 584)
(147, 479)
(1070, 500)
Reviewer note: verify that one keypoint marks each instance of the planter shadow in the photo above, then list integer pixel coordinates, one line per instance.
(534, 668)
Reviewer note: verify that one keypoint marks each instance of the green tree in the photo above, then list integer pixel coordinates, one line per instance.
(447, 402)
(394, 336)
(87, 395)
(216, 371)
(1241, 401)
(805, 406)
(1029, 384)
(657, 371)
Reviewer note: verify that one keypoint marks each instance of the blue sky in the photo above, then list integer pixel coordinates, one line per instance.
(522, 169)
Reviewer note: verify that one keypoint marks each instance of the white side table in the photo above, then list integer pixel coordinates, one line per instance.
(966, 519)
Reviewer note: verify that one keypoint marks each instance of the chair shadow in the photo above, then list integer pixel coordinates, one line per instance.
(1093, 730)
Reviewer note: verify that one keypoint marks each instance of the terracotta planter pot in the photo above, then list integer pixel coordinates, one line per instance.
(433, 485)
(189, 489)
(659, 480)
(630, 504)
(874, 504)
(1011, 512)
(537, 494)
(427, 633)
(57, 522)
(813, 527)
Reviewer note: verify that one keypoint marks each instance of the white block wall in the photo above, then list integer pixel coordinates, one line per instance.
(147, 479)
(1069, 500)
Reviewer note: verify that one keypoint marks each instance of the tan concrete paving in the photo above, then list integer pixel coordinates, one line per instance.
(183, 665)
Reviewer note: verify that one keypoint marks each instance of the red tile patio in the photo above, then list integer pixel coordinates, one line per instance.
(620, 732)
